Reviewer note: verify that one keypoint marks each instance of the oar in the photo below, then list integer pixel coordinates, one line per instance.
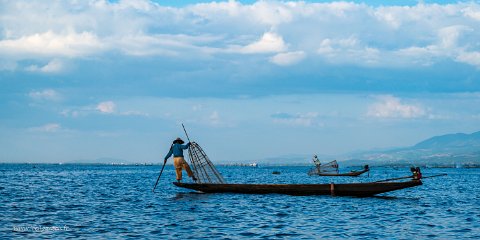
(161, 171)
(391, 179)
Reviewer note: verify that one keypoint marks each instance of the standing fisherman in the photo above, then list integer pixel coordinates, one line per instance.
(178, 160)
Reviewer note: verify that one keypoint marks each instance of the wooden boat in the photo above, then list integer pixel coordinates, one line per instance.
(330, 169)
(343, 189)
(209, 180)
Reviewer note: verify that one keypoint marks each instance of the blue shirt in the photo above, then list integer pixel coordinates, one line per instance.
(177, 150)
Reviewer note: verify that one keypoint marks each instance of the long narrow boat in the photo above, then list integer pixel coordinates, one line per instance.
(343, 189)
(330, 169)
(347, 174)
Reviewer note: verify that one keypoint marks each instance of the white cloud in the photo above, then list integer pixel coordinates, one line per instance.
(260, 13)
(8, 65)
(472, 58)
(348, 50)
(214, 118)
(140, 5)
(163, 44)
(106, 107)
(423, 56)
(46, 94)
(272, 13)
(52, 44)
(197, 107)
(472, 12)
(71, 113)
(135, 113)
(299, 119)
(270, 42)
(288, 58)
(391, 107)
(51, 127)
(53, 66)
(449, 36)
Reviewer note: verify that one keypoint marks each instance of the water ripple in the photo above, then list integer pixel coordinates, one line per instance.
(116, 202)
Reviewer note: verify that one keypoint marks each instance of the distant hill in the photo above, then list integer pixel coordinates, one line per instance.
(457, 140)
(445, 150)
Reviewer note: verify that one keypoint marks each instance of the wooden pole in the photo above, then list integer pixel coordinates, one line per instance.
(391, 179)
(161, 171)
(185, 132)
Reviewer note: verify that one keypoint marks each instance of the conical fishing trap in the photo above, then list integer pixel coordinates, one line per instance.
(331, 167)
(203, 168)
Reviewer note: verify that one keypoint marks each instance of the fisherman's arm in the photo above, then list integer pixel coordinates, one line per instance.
(186, 145)
(169, 154)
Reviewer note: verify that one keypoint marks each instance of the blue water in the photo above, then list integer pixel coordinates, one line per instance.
(116, 202)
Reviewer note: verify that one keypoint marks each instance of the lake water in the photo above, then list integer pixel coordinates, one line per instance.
(116, 202)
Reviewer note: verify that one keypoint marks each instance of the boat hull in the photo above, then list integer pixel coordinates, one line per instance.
(348, 189)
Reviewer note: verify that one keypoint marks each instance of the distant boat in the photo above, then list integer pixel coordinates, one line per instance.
(331, 169)
(343, 189)
(253, 165)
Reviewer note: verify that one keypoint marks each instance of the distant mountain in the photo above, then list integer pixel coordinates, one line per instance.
(450, 149)
(457, 140)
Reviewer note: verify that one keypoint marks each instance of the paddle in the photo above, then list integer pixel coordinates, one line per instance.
(391, 179)
(161, 171)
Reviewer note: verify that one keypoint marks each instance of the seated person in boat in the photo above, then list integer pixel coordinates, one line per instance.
(178, 160)
(417, 174)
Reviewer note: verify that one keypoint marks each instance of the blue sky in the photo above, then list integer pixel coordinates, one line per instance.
(250, 80)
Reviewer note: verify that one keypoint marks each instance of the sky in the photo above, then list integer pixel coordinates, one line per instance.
(83, 80)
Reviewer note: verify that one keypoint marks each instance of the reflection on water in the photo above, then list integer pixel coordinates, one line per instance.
(71, 201)
(190, 196)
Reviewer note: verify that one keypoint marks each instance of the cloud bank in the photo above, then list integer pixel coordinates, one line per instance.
(335, 33)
